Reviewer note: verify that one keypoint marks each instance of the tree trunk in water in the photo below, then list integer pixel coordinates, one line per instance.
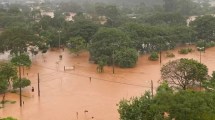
(3, 99)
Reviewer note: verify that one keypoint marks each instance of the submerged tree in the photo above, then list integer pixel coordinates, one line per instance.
(126, 58)
(106, 41)
(7, 73)
(3, 87)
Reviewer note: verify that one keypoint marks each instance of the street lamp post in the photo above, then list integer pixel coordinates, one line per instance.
(160, 51)
(20, 88)
(200, 59)
(200, 53)
(60, 56)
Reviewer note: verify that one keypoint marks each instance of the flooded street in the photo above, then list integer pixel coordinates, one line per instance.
(82, 93)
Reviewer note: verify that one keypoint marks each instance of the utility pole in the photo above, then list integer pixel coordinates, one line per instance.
(160, 51)
(20, 87)
(200, 56)
(160, 56)
(38, 84)
(152, 88)
(23, 70)
(113, 61)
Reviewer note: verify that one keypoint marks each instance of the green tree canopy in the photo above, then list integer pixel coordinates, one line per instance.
(184, 73)
(151, 38)
(209, 84)
(17, 40)
(168, 105)
(76, 44)
(8, 72)
(83, 28)
(24, 82)
(166, 18)
(205, 27)
(21, 60)
(3, 86)
(8, 18)
(126, 57)
(106, 41)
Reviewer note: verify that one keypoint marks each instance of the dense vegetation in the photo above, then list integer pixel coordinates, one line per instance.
(168, 104)
(115, 33)
(178, 97)
(145, 27)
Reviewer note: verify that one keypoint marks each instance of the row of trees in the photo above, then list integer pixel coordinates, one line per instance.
(177, 97)
(9, 77)
(152, 33)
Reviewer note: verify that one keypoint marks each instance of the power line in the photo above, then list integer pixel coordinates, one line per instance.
(81, 75)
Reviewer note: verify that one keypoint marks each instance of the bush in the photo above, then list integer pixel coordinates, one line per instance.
(210, 44)
(205, 44)
(170, 55)
(154, 56)
(185, 50)
(189, 49)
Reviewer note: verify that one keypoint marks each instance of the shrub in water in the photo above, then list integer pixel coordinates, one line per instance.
(154, 56)
(183, 51)
(170, 55)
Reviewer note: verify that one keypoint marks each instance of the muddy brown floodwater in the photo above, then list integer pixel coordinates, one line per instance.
(65, 95)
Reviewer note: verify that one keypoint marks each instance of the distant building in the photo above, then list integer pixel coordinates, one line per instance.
(69, 16)
(190, 19)
(4, 5)
(51, 13)
(30, 2)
